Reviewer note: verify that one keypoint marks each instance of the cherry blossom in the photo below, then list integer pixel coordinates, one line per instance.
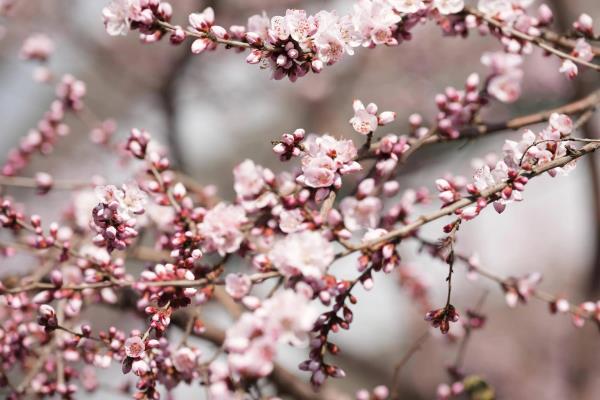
(221, 228)
(366, 120)
(449, 6)
(243, 276)
(306, 253)
(237, 285)
(134, 347)
(119, 14)
(326, 159)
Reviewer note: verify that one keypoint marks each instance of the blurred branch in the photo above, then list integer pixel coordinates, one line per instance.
(168, 91)
(168, 96)
(405, 358)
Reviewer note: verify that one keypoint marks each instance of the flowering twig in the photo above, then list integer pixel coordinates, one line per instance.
(537, 41)
(486, 194)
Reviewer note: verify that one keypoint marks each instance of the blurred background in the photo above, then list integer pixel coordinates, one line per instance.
(213, 111)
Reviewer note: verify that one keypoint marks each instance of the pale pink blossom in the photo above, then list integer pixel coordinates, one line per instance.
(584, 24)
(249, 179)
(306, 253)
(238, 285)
(366, 120)
(221, 228)
(364, 213)
(37, 47)
(583, 50)
(447, 7)
(134, 347)
(375, 21)
(326, 159)
(287, 317)
(202, 21)
(407, 6)
(185, 360)
(569, 68)
(140, 367)
(119, 14)
(291, 220)
(507, 76)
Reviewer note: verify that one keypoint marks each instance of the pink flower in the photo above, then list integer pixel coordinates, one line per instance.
(363, 213)
(446, 7)
(249, 179)
(238, 285)
(134, 347)
(584, 24)
(306, 253)
(287, 317)
(119, 14)
(37, 47)
(569, 68)
(259, 24)
(184, 360)
(506, 79)
(334, 37)
(583, 50)
(140, 367)
(221, 228)
(325, 160)
(407, 6)
(318, 171)
(202, 21)
(375, 21)
(366, 120)
(506, 88)
(291, 220)
(299, 25)
(290, 317)
(562, 123)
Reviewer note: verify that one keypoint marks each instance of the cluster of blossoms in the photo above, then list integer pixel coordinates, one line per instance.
(38, 47)
(113, 218)
(504, 83)
(458, 108)
(221, 228)
(287, 317)
(583, 51)
(366, 120)
(307, 254)
(522, 156)
(293, 44)
(285, 226)
(69, 97)
(122, 15)
(325, 160)
(297, 43)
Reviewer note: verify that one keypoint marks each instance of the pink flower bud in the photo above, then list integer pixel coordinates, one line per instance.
(386, 117)
(199, 45)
